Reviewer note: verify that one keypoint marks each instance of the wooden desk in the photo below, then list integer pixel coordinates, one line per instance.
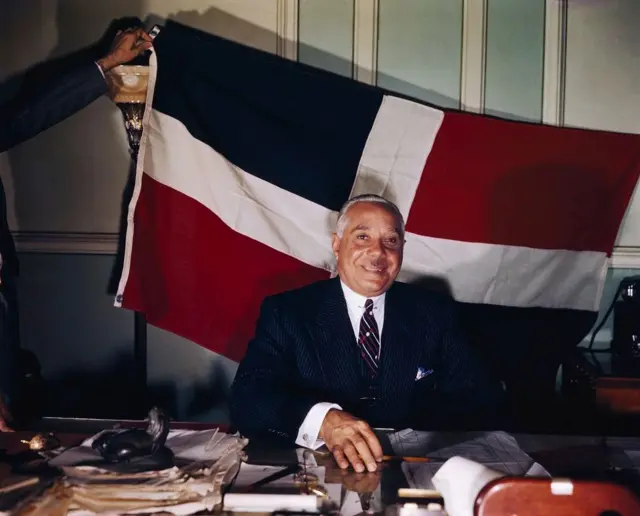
(566, 456)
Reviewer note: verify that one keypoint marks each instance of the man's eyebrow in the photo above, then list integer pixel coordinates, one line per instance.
(360, 227)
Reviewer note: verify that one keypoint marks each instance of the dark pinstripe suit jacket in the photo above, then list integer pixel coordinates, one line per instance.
(304, 351)
(24, 117)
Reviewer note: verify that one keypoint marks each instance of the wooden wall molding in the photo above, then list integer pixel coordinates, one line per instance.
(555, 62)
(473, 65)
(365, 40)
(107, 243)
(287, 29)
(66, 242)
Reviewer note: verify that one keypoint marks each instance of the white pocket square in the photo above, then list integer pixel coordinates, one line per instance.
(422, 372)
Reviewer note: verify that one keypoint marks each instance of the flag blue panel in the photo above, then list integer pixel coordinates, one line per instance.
(295, 126)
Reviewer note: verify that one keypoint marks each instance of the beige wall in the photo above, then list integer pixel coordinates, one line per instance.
(510, 57)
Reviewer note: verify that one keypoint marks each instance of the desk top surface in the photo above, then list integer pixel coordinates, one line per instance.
(593, 457)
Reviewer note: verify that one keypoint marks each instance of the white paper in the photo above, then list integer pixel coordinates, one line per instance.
(459, 481)
(497, 450)
(213, 459)
(623, 452)
(253, 502)
(251, 473)
(185, 509)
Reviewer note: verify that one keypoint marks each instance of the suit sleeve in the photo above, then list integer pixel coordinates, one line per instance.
(465, 393)
(23, 118)
(265, 397)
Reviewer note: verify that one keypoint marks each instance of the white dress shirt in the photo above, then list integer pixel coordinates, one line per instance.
(310, 427)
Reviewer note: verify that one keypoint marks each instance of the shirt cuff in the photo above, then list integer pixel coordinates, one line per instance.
(100, 68)
(310, 427)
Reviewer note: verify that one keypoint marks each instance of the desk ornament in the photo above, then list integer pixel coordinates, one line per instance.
(135, 445)
(42, 443)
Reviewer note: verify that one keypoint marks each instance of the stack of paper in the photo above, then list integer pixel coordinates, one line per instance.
(210, 460)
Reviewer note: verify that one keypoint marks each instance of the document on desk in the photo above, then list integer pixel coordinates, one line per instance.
(249, 474)
(188, 445)
(497, 450)
(623, 452)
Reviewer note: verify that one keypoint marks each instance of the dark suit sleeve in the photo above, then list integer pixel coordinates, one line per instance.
(265, 396)
(465, 394)
(24, 117)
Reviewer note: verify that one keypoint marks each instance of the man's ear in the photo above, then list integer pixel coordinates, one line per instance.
(335, 244)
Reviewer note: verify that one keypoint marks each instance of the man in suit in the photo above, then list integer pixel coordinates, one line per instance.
(332, 360)
(21, 118)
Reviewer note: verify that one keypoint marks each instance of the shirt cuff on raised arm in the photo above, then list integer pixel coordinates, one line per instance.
(310, 427)
(100, 68)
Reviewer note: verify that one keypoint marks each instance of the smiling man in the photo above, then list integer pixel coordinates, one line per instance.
(332, 360)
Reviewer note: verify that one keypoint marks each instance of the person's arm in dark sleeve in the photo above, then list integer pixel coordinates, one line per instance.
(27, 115)
(22, 119)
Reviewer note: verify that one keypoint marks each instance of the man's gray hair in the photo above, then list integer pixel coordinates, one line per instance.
(342, 216)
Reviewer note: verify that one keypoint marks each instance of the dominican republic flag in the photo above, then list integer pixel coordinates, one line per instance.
(246, 159)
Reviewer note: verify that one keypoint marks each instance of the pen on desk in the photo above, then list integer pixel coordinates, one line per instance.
(405, 458)
(386, 458)
(390, 458)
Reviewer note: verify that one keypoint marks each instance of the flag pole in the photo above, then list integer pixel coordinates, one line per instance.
(128, 89)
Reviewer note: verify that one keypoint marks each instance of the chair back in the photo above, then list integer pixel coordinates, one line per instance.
(540, 496)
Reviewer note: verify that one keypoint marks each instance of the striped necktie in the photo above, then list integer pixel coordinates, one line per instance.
(369, 339)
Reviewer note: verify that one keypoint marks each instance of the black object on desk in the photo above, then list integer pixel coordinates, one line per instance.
(270, 452)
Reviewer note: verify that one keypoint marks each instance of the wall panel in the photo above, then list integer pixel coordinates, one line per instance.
(514, 58)
(326, 35)
(419, 49)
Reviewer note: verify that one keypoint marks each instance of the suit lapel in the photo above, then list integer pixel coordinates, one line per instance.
(400, 352)
(335, 342)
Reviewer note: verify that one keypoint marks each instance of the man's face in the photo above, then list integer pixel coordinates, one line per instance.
(369, 253)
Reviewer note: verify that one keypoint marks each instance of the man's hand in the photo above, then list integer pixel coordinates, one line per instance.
(5, 417)
(351, 441)
(126, 46)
